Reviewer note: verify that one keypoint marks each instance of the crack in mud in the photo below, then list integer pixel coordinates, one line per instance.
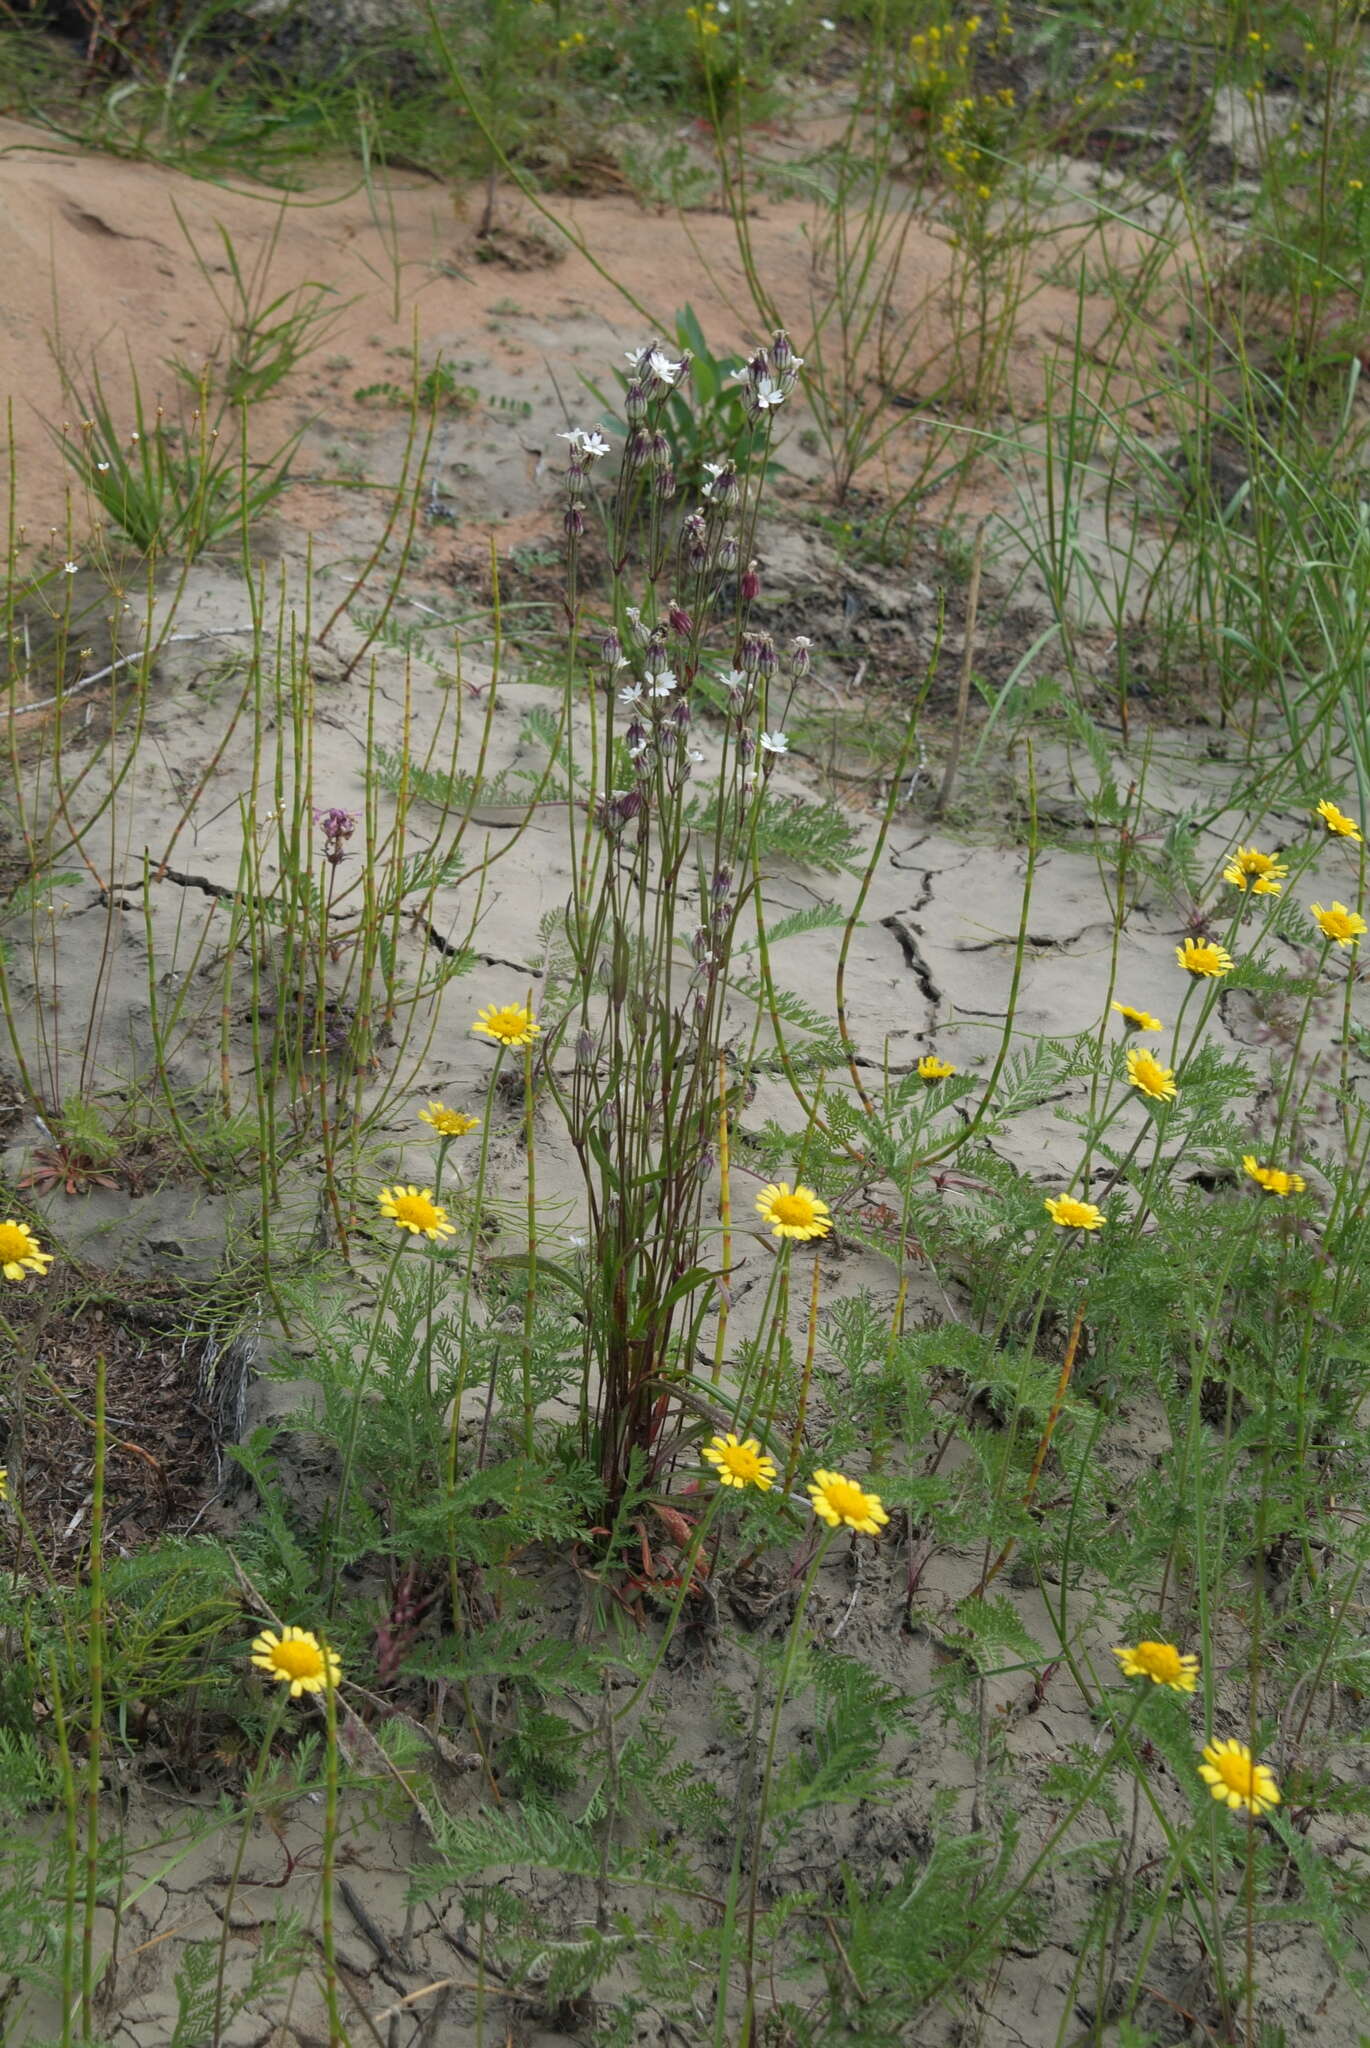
(912, 951)
(434, 937)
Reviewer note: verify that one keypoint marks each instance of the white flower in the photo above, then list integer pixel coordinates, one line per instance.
(661, 366)
(774, 743)
(696, 757)
(767, 395)
(663, 684)
(632, 695)
(715, 468)
(802, 640)
(589, 442)
(735, 680)
(823, 22)
(70, 568)
(102, 467)
(635, 753)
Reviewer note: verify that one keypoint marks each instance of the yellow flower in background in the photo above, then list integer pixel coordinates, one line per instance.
(414, 1209)
(842, 1504)
(1145, 1071)
(4, 1484)
(1274, 1179)
(20, 1251)
(1234, 1777)
(1137, 1020)
(796, 1213)
(740, 1464)
(1202, 957)
(297, 1659)
(1162, 1663)
(1337, 821)
(449, 1123)
(507, 1024)
(1340, 924)
(1073, 1215)
(932, 1069)
(1251, 869)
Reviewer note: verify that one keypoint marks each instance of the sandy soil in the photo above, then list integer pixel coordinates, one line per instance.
(97, 264)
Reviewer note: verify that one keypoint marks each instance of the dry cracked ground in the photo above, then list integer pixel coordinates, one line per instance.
(931, 968)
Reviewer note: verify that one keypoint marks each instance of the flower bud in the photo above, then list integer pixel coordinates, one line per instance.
(635, 401)
(679, 620)
(751, 582)
(799, 655)
(573, 522)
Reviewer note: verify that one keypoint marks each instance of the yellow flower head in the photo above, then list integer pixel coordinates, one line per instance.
(1073, 1215)
(1259, 872)
(842, 1504)
(448, 1123)
(1137, 1020)
(20, 1251)
(414, 1209)
(1201, 957)
(1162, 1663)
(1337, 821)
(1145, 1071)
(933, 1069)
(740, 1464)
(1339, 923)
(1274, 1179)
(796, 1213)
(1234, 1777)
(297, 1659)
(4, 1484)
(507, 1024)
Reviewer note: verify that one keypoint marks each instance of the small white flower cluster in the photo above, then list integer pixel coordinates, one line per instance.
(769, 377)
(587, 446)
(653, 369)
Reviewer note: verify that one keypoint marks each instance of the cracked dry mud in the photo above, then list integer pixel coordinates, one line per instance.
(931, 969)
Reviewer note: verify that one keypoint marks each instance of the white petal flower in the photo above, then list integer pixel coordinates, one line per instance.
(70, 568)
(715, 468)
(774, 743)
(632, 695)
(636, 753)
(663, 684)
(102, 467)
(661, 366)
(767, 395)
(594, 444)
(734, 680)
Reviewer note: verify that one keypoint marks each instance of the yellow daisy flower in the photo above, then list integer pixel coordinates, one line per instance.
(20, 1251)
(1145, 1071)
(1073, 1215)
(414, 1209)
(1337, 821)
(1234, 1777)
(4, 1484)
(796, 1213)
(1259, 872)
(1162, 1663)
(1202, 957)
(1339, 923)
(740, 1464)
(841, 1503)
(297, 1659)
(1274, 1179)
(1137, 1020)
(507, 1024)
(932, 1069)
(449, 1123)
